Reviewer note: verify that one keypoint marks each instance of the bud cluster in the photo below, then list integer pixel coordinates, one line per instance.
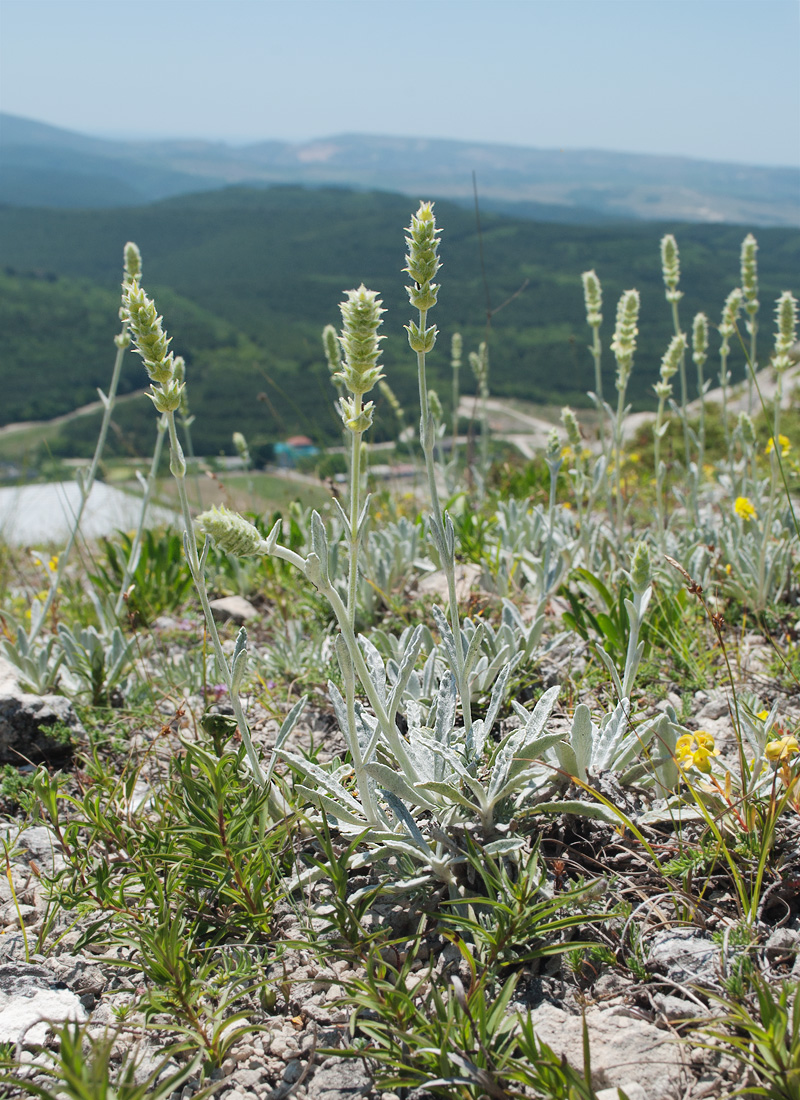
(671, 267)
(624, 343)
(152, 343)
(670, 364)
(422, 263)
(230, 531)
(479, 361)
(700, 339)
(593, 297)
(750, 274)
(786, 334)
(730, 315)
(360, 343)
(572, 428)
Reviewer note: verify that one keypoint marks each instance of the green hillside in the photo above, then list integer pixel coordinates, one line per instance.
(247, 278)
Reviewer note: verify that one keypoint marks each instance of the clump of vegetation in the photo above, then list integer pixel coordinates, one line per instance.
(498, 775)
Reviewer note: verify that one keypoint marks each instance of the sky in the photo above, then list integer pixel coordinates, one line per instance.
(711, 79)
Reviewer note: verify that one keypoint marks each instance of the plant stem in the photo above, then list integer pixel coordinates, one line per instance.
(447, 558)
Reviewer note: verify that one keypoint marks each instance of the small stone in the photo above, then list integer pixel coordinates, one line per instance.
(236, 608)
(685, 955)
(293, 1071)
(783, 941)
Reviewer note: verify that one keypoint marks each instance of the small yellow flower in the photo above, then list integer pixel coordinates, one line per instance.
(694, 750)
(52, 565)
(763, 715)
(567, 453)
(729, 568)
(743, 507)
(634, 457)
(782, 749)
(783, 443)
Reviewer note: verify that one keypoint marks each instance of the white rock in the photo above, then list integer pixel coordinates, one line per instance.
(28, 1019)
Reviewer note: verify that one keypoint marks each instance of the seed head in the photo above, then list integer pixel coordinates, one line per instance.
(230, 531)
(243, 451)
(361, 316)
(456, 350)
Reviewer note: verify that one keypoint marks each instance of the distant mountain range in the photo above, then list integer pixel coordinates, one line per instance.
(43, 165)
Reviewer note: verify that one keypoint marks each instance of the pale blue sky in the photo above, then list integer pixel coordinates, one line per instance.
(702, 78)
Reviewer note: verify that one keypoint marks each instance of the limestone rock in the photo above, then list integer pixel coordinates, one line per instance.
(685, 955)
(30, 1003)
(623, 1049)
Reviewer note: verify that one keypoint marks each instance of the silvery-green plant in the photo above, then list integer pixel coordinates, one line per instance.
(593, 300)
(727, 329)
(699, 357)
(671, 270)
(422, 265)
(152, 344)
(456, 351)
(95, 666)
(624, 347)
(749, 288)
(670, 364)
(785, 338)
(479, 361)
(132, 267)
(640, 577)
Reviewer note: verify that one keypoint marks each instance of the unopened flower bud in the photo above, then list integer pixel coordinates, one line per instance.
(456, 350)
(230, 531)
(240, 443)
(356, 420)
(435, 405)
(641, 569)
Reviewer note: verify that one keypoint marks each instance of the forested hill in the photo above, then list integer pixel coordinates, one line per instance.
(246, 279)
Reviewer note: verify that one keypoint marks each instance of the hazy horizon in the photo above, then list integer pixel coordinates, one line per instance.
(710, 80)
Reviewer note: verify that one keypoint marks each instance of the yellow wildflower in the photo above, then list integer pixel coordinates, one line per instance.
(783, 443)
(634, 457)
(781, 749)
(694, 750)
(567, 453)
(763, 715)
(743, 507)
